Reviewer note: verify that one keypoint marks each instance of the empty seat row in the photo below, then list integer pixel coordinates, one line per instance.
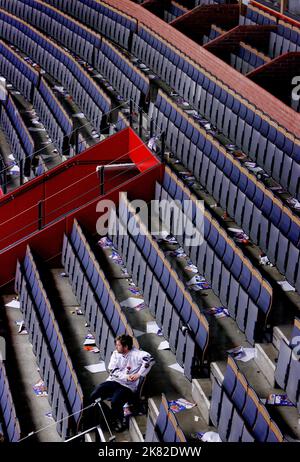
(126, 67)
(238, 413)
(124, 85)
(20, 127)
(101, 308)
(49, 121)
(287, 373)
(104, 19)
(246, 59)
(16, 70)
(53, 334)
(273, 148)
(239, 285)
(50, 358)
(166, 428)
(166, 296)
(56, 24)
(7, 409)
(270, 225)
(59, 64)
(90, 305)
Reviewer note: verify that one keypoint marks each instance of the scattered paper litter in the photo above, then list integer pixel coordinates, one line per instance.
(152, 327)
(164, 345)
(176, 367)
(13, 304)
(94, 368)
(180, 404)
(243, 354)
(219, 312)
(286, 287)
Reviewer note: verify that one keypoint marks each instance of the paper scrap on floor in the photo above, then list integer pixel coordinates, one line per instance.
(180, 404)
(279, 400)
(13, 304)
(219, 312)
(286, 287)
(95, 368)
(132, 302)
(176, 367)
(164, 345)
(242, 354)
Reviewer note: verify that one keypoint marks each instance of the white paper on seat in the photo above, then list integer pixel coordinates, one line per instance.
(94, 368)
(13, 304)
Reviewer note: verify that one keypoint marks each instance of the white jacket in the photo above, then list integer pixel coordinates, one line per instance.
(121, 366)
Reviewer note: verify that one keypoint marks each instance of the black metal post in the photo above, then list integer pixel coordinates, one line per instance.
(21, 166)
(40, 215)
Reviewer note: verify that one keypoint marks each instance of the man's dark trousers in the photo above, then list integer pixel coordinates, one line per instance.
(118, 394)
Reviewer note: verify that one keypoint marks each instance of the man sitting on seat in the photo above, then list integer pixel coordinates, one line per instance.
(126, 366)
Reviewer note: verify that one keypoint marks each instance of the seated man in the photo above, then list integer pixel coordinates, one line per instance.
(126, 366)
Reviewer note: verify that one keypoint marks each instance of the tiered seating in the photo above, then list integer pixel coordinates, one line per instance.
(52, 114)
(85, 43)
(275, 150)
(256, 16)
(166, 428)
(182, 323)
(174, 11)
(246, 59)
(239, 285)
(20, 140)
(287, 38)
(287, 373)
(7, 409)
(263, 217)
(101, 17)
(56, 369)
(16, 70)
(237, 411)
(98, 302)
(59, 64)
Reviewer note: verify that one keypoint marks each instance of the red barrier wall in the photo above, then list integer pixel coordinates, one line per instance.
(70, 185)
